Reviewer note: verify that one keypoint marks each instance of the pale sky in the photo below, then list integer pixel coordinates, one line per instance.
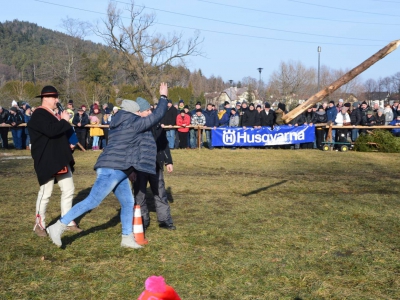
(241, 36)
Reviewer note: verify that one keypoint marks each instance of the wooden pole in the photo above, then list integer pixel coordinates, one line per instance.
(341, 81)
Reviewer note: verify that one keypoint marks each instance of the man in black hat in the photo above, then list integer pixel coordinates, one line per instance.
(52, 156)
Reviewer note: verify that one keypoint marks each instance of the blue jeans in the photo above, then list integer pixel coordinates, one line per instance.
(171, 138)
(108, 180)
(95, 141)
(192, 138)
(208, 137)
(354, 134)
(17, 138)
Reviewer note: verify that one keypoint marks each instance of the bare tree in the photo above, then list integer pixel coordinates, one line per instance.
(144, 54)
(387, 84)
(396, 82)
(293, 78)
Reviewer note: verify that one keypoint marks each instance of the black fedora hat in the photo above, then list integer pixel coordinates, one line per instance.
(48, 91)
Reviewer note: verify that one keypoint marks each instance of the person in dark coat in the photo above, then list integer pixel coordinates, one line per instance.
(80, 120)
(380, 117)
(280, 113)
(355, 120)
(157, 184)
(308, 117)
(244, 107)
(251, 118)
(211, 121)
(52, 157)
(15, 118)
(267, 116)
(131, 148)
(318, 118)
(368, 120)
(4, 130)
(169, 120)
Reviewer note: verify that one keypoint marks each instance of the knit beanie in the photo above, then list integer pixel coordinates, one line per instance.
(143, 104)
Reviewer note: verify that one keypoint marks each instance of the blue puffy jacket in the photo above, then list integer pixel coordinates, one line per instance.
(331, 113)
(131, 142)
(393, 123)
(211, 118)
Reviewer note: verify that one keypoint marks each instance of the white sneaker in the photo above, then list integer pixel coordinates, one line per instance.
(55, 231)
(128, 241)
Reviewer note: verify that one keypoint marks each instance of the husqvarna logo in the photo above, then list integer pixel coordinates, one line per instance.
(229, 137)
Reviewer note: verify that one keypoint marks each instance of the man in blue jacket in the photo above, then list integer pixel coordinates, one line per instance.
(211, 121)
(331, 113)
(131, 147)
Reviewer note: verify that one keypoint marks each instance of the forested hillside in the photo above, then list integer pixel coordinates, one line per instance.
(32, 56)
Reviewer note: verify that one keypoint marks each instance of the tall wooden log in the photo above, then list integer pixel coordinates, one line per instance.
(341, 81)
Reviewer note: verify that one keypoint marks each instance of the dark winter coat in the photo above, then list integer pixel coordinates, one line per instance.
(308, 116)
(131, 142)
(18, 118)
(50, 148)
(380, 120)
(4, 116)
(299, 120)
(355, 117)
(368, 121)
(251, 118)
(84, 120)
(170, 116)
(211, 118)
(267, 120)
(319, 117)
(163, 152)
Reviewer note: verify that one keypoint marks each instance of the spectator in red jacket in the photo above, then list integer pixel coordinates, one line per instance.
(183, 120)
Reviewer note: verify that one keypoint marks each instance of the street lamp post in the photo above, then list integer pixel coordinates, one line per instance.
(319, 58)
(259, 81)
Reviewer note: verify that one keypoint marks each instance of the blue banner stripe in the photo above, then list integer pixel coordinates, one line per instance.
(280, 135)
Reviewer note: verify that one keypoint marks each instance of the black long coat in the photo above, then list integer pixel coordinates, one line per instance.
(50, 147)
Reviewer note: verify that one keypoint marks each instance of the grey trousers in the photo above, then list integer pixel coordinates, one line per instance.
(157, 186)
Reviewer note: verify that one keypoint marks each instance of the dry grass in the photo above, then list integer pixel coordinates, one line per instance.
(251, 224)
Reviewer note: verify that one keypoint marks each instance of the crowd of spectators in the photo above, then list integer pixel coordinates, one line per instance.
(245, 115)
(89, 138)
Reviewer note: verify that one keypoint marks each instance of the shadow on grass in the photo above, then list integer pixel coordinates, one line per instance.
(264, 188)
(111, 223)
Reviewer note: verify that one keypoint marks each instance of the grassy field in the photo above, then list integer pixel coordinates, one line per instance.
(251, 224)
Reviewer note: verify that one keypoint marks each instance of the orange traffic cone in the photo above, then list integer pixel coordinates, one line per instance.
(138, 226)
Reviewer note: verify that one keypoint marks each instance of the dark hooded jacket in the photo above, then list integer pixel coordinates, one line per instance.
(131, 142)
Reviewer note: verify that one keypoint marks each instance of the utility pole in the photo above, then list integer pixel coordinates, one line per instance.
(319, 73)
